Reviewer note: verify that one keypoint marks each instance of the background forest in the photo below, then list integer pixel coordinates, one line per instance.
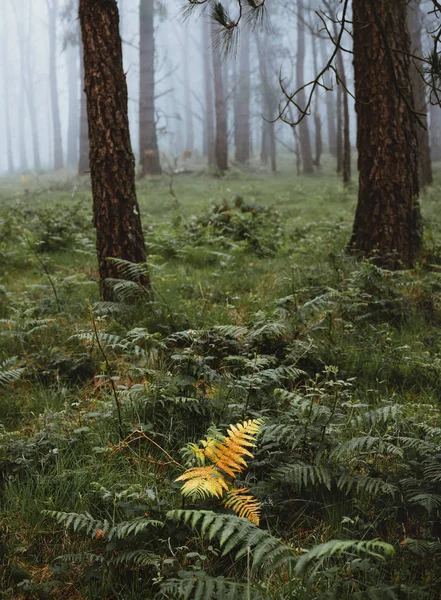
(220, 258)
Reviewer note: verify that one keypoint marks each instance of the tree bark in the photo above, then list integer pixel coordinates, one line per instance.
(435, 131)
(419, 89)
(387, 223)
(74, 119)
(148, 140)
(83, 162)
(242, 124)
(221, 143)
(305, 140)
(115, 207)
(52, 6)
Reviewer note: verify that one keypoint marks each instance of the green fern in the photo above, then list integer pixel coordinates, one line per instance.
(7, 374)
(200, 586)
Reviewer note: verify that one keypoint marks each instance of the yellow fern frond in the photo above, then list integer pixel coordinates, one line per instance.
(203, 482)
(243, 504)
(228, 455)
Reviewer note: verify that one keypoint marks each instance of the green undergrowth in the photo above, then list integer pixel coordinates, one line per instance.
(257, 312)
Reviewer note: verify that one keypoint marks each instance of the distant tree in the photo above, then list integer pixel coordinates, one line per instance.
(83, 160)
(435, 131)
(242, 101)
(420, 93)
(221, 143)
(269, 102)
(6, 94)
(148, 140)
(317, 112)
(115, 207)
(189, 121)
(305, 139)
(73, 97)
(208, 92)
(330, 101)
(387, 221)
(52, 10)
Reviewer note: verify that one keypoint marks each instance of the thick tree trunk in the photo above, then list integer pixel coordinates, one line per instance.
(148, 140)
(6, 84)
(221, 144)
(83, 162)
(115, 206)
(330, 104)
(242, 125)
(53, 82)
(387, 222)
(208, 90)
(73, 122)
(305, 140)
(419, 89)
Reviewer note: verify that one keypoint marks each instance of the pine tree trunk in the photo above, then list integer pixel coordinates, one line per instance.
(53, 82)
(221, 144)
(208, 90)
(387, 222)
(330, 104)
(419, 89)
(74, 119)
(6, 84)
(116, 211)
(243, 88)
(305, 140)
(148, 140)
(83, 162)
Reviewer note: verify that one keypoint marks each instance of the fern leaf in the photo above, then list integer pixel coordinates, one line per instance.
(199, 586)
(243, 504)
(203, 482)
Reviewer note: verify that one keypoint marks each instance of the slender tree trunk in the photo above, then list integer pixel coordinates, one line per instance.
(74, 118)
(189, 125)
(6, 85)
(435, 131)
(344, 138)
(243, 92)
(83, 162)
(52, 6)
(269, 104)
(208, 90)
(317, 117)
(221, 144)
(305, 140)
(115, 207)
(339, 148)
(148, 140)
(387, 222)
(330, 104)
(419, 89)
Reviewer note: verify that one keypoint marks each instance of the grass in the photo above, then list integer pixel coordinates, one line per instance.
(300, 300)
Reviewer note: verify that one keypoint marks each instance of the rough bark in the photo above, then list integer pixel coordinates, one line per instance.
(221, 143)
(6, 84)
(115, 206)
(419, 89)
(208, 91)
(73, 119)
(242, 108)
(83, 161)
(305, 140)
(148, 140)
(387, 222)
(52, 6)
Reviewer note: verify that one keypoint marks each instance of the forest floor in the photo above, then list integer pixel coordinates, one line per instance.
(257, 312)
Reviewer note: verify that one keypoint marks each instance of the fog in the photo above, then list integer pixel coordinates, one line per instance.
(25, 78)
